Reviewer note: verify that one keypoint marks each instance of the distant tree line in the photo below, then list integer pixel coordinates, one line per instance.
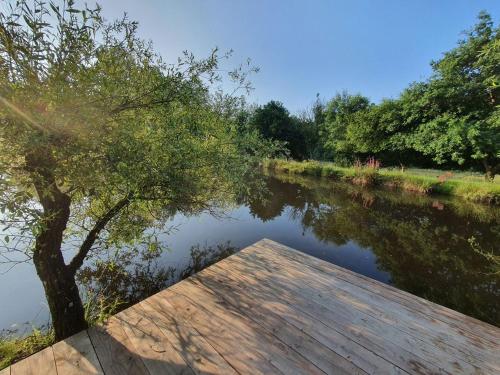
(450, 120)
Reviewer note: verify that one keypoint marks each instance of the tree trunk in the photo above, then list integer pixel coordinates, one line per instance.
(62, 294)
(490, 170)
(61, 291)
(490, 175)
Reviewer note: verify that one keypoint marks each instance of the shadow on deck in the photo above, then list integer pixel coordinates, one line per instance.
(271, 309)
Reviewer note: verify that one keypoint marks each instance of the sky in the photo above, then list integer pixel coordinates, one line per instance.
(373, 47)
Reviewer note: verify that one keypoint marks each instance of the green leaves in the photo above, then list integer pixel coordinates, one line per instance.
(114, 121)
(340, 112)
(273, 122)
(453, 118)
(443, 139)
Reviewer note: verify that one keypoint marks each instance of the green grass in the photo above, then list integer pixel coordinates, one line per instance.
(15, 349)
(468, 185)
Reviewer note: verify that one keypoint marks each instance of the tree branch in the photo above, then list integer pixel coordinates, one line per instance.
(139, 105)
(78, 259)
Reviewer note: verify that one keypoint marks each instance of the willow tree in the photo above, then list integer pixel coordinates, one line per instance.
(101, 139)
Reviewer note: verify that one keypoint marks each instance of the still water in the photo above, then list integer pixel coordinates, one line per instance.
(416, 243)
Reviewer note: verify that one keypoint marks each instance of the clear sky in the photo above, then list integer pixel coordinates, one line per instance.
(374, 47)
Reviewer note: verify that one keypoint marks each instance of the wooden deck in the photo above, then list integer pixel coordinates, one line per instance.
(271, 309)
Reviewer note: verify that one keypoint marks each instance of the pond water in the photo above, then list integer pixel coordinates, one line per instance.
(416, 243)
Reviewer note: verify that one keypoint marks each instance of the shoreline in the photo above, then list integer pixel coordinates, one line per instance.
(475, 191)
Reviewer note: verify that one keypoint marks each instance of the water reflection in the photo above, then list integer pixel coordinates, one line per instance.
(421, 243)
(116, 280)
(411, 241)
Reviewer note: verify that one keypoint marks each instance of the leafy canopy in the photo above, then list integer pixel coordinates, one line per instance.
(453, 117)
(273, 121)
(89, 110)
(465, 95)
(339, 111)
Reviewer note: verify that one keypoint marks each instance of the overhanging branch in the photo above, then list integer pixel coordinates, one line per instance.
(78, 259)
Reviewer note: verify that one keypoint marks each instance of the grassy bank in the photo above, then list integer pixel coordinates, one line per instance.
(14, 349)
(469, 186)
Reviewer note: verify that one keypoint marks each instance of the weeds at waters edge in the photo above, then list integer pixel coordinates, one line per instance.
(14, 349)
(490, 256)
(475, 191)
(366, 174)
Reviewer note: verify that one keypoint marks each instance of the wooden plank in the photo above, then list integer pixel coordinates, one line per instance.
(328, 296)
(338, 342)
(190, 344)
(247, 336)
(450, 339)
(219, 307)
(431, 349)
(271, 309)
(465, 323)
(76, 355)
(381, 338)
(157, 353)
(286, 359)
(478, 332)
(228, 342)
(115, 351)
(324, 358)
(39, 363)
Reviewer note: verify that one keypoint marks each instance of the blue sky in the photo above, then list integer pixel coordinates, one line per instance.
(374, 47)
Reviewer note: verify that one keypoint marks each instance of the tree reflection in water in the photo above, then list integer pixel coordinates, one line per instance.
(122, 278)
(421, 242)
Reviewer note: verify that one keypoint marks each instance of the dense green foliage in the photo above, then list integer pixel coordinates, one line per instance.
(339, 114)
(450, 120)
(101, 139)
(273, 121)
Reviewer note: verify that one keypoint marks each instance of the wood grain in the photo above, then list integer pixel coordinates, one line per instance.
(155, 350)
(39, 363)
(225, 291)
(270, 309)
(191, 345)
(325, 303)
(76, 356)
(115, 351)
